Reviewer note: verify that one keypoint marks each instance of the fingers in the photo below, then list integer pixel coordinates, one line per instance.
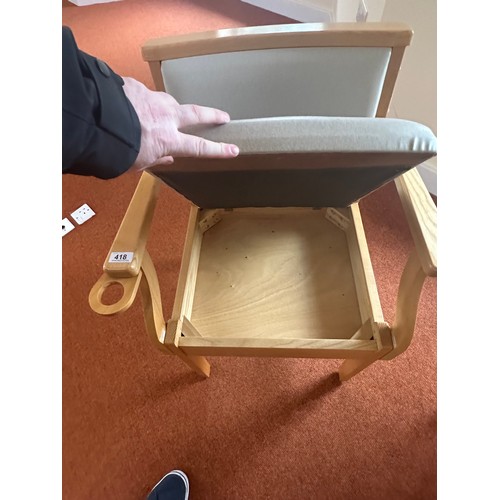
(192, 114)
(192, 146)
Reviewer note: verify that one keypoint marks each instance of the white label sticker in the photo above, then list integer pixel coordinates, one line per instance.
(121, 257)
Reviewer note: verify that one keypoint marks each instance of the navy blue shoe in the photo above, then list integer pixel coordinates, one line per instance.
(173, 486)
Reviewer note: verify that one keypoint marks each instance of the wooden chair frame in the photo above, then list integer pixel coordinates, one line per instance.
(129, 263)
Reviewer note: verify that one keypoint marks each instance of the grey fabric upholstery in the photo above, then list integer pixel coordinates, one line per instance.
(300, 161)
(331, 81)
(307, 134)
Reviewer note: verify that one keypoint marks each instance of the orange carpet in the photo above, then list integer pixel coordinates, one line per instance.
(258, 428)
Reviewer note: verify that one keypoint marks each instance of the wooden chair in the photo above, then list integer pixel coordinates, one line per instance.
(267, 278)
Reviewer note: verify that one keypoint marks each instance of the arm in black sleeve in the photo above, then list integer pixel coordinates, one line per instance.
(101, 133)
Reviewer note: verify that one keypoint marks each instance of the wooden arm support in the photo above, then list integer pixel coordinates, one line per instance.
(130, 287)
(420, 211)
(138, 272)
(131, 238)
(410, 288)
(147, 282)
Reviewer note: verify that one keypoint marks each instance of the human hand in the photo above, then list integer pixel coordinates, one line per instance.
(161, 117)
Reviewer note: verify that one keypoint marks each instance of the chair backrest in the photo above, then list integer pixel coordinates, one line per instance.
(315, 69)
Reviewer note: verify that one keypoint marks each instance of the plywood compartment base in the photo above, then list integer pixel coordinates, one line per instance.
(275, 273)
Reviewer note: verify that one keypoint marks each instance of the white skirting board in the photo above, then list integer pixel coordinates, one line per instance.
(299, 10)
(83, 3)
(324, 11)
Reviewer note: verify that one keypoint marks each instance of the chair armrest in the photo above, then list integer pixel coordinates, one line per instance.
(420, 212)
(127, 251)
(130, 287)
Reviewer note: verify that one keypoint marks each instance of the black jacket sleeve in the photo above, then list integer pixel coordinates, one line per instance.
(101, 133)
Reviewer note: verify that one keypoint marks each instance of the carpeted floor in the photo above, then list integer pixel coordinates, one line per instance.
(258, 428)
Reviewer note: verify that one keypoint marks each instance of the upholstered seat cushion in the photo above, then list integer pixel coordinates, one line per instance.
(300, 161)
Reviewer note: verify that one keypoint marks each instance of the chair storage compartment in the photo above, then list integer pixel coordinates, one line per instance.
(278, 282)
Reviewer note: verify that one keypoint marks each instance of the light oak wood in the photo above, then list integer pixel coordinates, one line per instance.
(189, 267)
(184, 294)
(275, 273)
(421, 214)
(338, 218)
(283, 347)
(209, 219)
(198, 363)
(365, 332)
(129, 285)
(353, 366)
(147, 281)
(188, 329)
(133, 232)
(364, 278)
(390, 81)
(151, 303)
(155, 68)
(278, 36)
(410, 288)
(155, 323)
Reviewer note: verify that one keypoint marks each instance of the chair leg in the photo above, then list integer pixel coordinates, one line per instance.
(351, 367)
(155, 323)
(197, 363)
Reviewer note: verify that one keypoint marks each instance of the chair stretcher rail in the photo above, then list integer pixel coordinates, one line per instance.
(298, 348)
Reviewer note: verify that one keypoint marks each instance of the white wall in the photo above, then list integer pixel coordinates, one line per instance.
(415, 95)
(415, 92)
(316, 11)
